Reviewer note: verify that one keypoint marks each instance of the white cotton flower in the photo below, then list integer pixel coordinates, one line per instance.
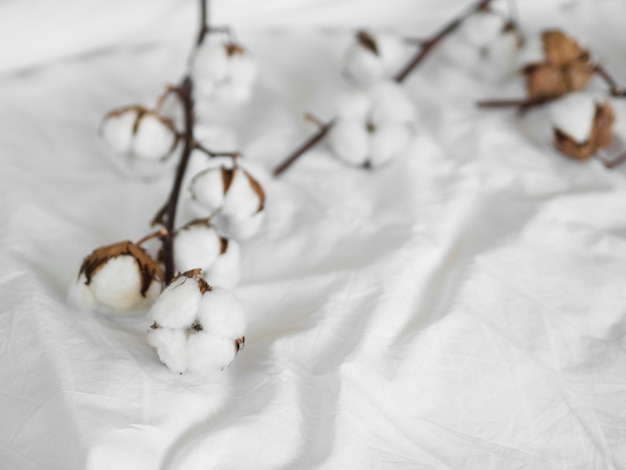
(486, 44)
(179, 307)
(374, 56)
(239, 228)
(233, 196)
(139, 133)
(376, 133)
(118, 278)
(196, 246)
(226, 270)
(223, 71)
(201, 339)
(573, 115)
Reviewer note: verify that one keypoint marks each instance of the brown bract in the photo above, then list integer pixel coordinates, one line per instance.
(195, 274)
(234, 49)
(227, 178)
(367, 41)
(149, 269)
(567, 67)
(600, 137)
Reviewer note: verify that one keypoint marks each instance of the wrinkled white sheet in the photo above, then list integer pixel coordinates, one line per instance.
(462, 308)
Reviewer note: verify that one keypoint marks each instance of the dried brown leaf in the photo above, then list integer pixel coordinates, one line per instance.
(545, 81)
(258, 189)
(560, 49)
(578, 73)
(602, 129)
(367, 41)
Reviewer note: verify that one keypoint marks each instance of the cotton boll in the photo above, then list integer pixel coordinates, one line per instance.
(225, 271)
(481, 28)
(239, 228)
(349, 140)
(80, 294)
(393, 50)
(391, 103)
(232, 92)
(207, 353)
(374, 56)
(178, 305)
(207, 188)
(171, 347)
(222, 314)
(243, 70)
(171, 107)
(117, 284)
(574, 115)
(354, 105)
(196, 246)
(241, 199)
(387, 142)
(117, 129)
(154, 138)
(211, 63)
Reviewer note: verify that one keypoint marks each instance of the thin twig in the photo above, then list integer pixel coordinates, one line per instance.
(610, 164)
(172, 202)
(616, 89)
(159, 233)
(426, 47)
(522, 104)
(198, 146)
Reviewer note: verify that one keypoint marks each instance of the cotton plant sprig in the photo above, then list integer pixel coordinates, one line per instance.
(373, 58)
(556, 72)
(196, 326)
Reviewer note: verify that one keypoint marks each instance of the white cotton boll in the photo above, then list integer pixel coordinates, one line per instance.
(211, 63)
(349, 140)
(80, 294)
(239, 228)
(391, 103)
(117, 284)
(154, 139)
(387, 142)
(207, 188)
(117, 130)
(232, 92)
(221, 314)
(178, 305)
(207, 353)
(363, 65)
(574, 115)
(481, 28)
(354, 105)
(243, 70)
(392, 49)
(241, 200)
(500, 57)
(171, 347)
(196, 246)
(226, 270)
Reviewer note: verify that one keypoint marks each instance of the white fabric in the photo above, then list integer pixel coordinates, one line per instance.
(462, 307)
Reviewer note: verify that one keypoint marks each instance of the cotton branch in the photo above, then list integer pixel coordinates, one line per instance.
(426, 46)
(523, 104)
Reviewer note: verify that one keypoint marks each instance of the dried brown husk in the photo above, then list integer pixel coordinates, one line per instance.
(367, 41)
(601, 135)
(567, 68)
(234, 49)
(258, 189)
(196, 275)
(149, 269)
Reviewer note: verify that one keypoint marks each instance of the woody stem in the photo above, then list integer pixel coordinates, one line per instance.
(426, 47)
(616, 89)
(172, 203)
